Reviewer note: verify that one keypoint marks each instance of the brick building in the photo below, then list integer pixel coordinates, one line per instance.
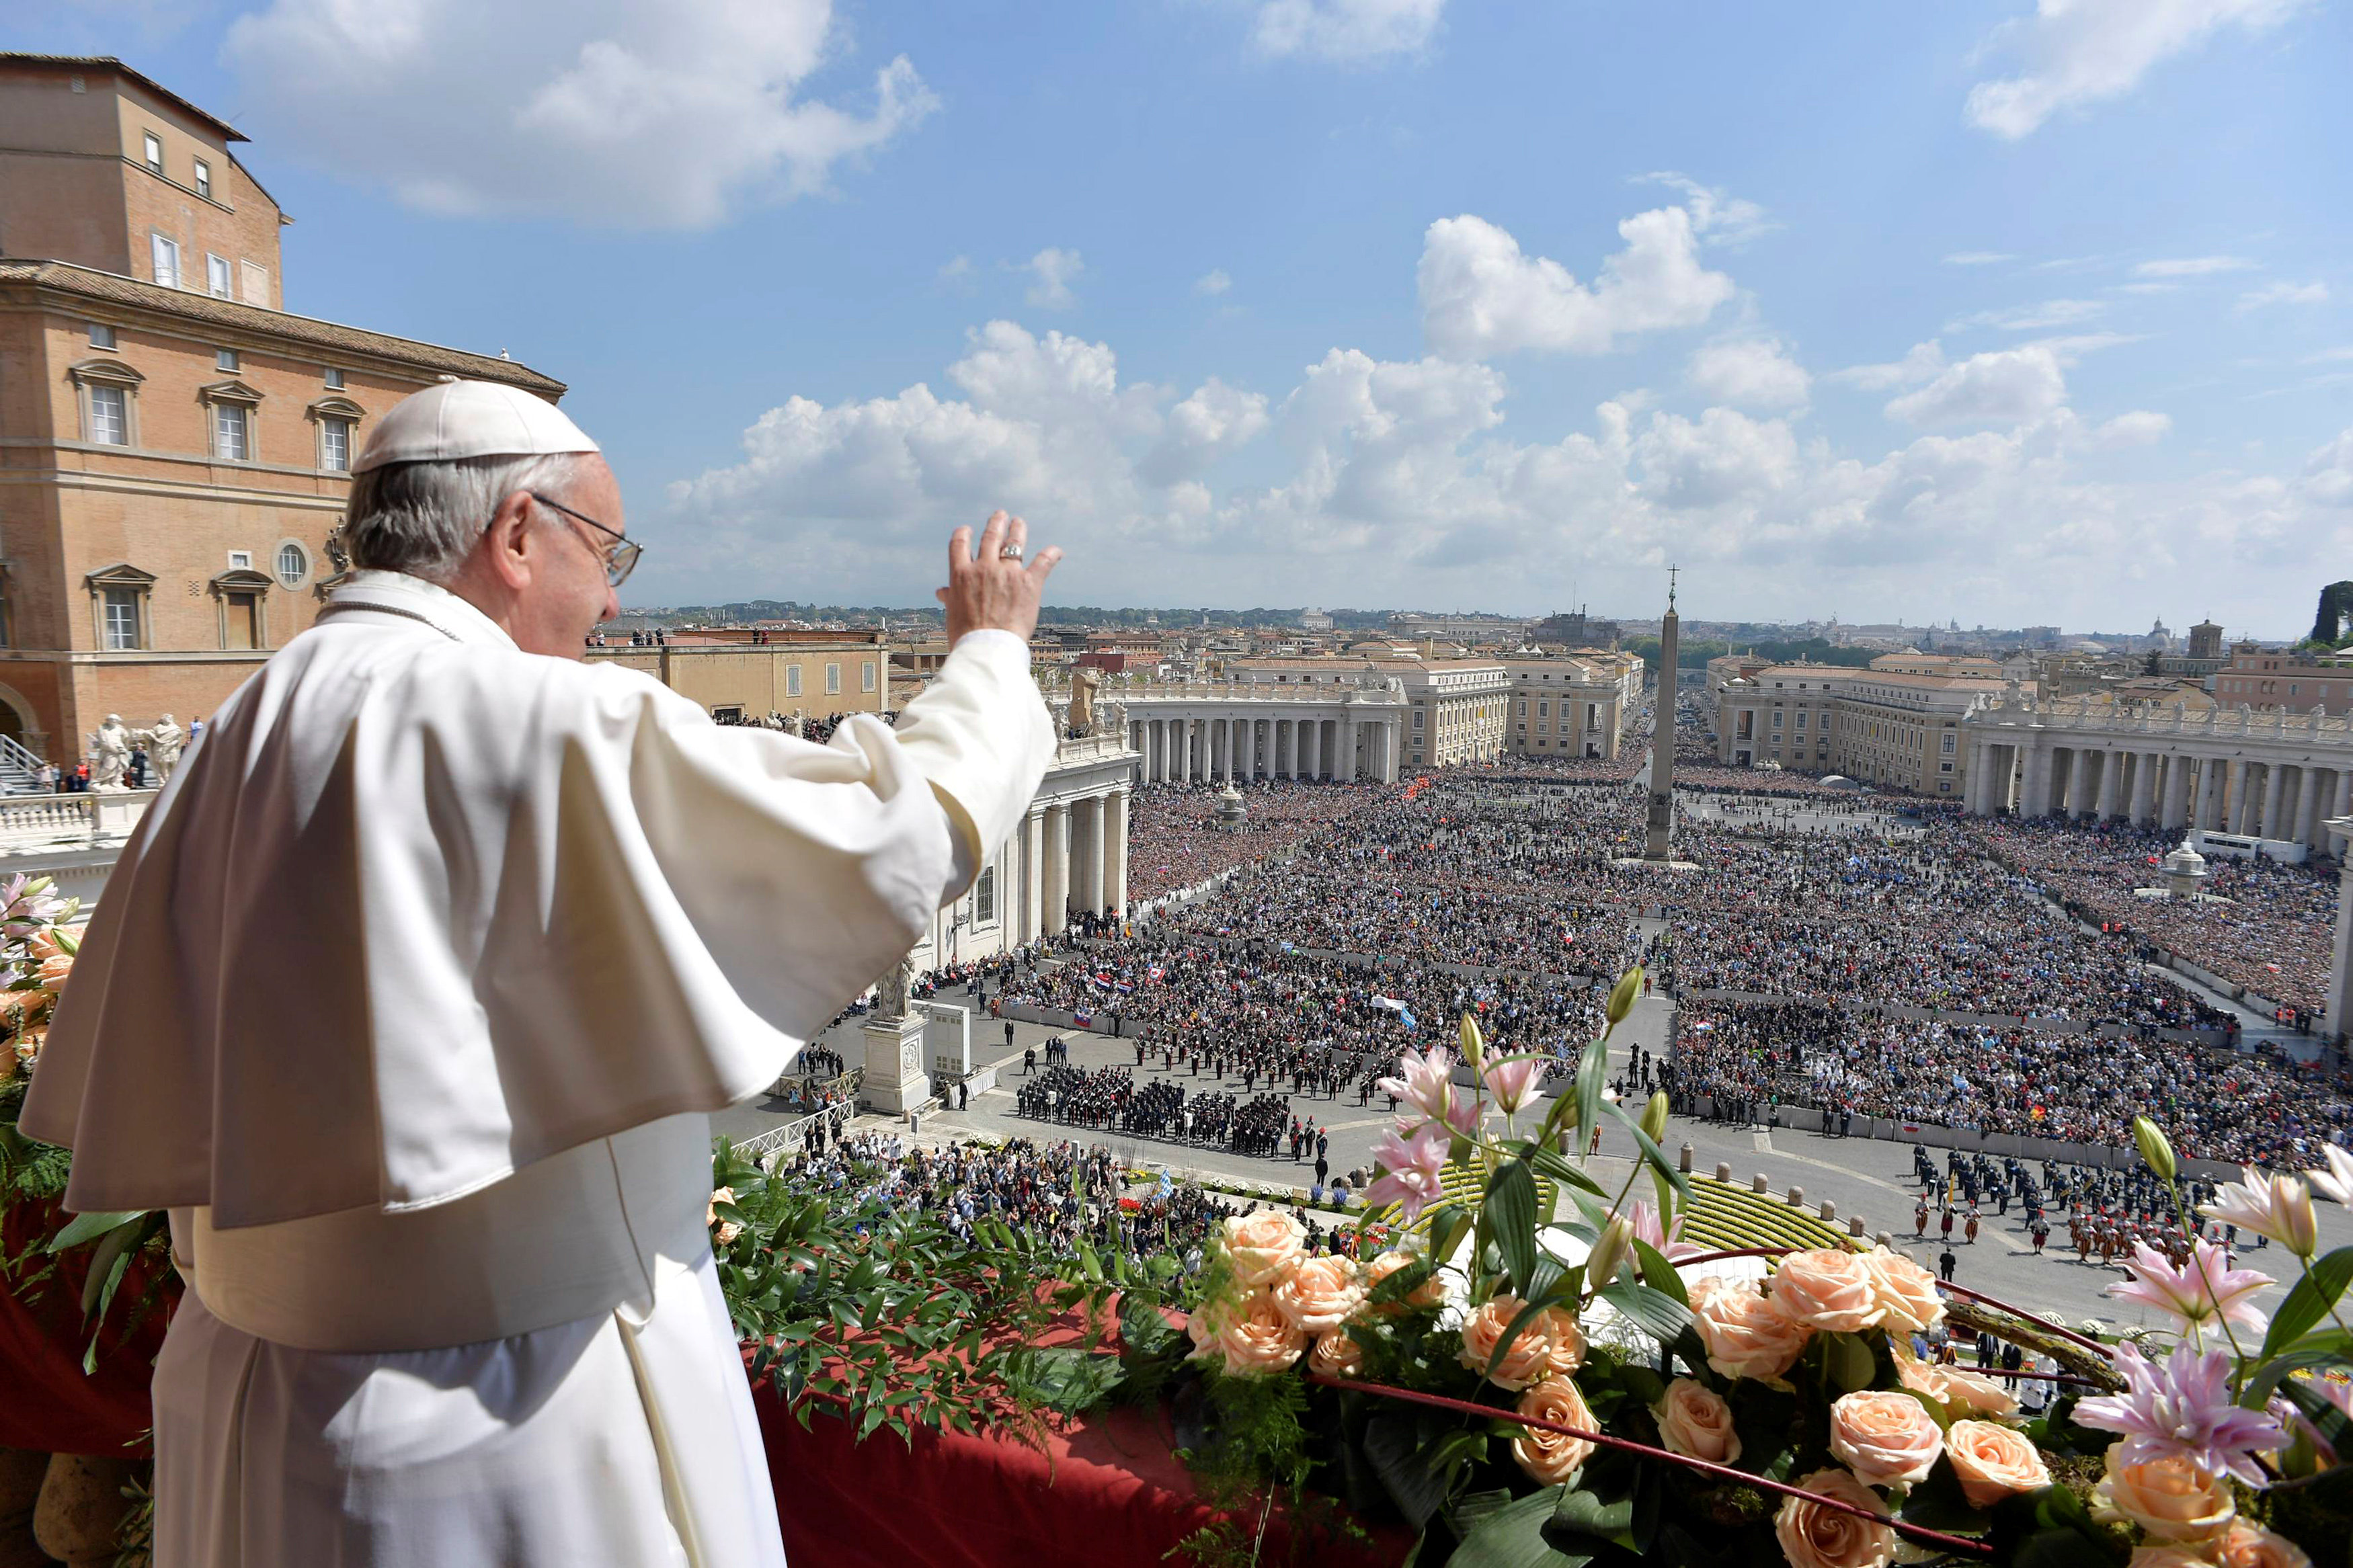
(174, 448)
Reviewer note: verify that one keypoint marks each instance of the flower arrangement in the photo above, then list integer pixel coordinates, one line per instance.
(1531, 1381)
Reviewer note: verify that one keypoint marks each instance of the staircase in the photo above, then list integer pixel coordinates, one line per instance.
(20, 769)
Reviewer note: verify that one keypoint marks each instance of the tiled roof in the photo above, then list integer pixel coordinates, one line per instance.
(91, 284)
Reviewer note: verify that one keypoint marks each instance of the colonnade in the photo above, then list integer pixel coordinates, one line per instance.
(1232, 748)
(1068, 858)
(2171, 788)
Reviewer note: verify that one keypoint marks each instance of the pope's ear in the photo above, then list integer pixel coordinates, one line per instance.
(508, 541)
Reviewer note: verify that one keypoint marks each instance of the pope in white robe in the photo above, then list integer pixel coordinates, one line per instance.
(411, 994)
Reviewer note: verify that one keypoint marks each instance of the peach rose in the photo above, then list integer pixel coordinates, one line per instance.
(1975, 1391)
(2168, 1557)
(1564, 1339)
(2245, 1545)
(1430, 1292)
(1264, 1245)
(1321, 1294)
(2170, 1499)
(1255, 1337)
(1812, 1536)
(1696, 1422)
(1336, 1355)
(1924, 1377)
(1549, 1456)
(1828, 1290)
(1202, 1327)
(1906, 1291)
(1886, 1438)
(1524, 1363)
(1993, 1461)
(1746, 1335)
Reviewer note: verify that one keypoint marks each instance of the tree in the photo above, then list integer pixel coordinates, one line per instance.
(2336, 608)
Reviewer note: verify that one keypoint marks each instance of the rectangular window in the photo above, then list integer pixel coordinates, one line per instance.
(216, 277)
(336, 445)
(225, 359)
(122, 619)
(1776, 718)
(101, 336)
(166, 253)
(334, 378)
(866, 676)
(244, 618)
(1543, 710)
(110, 417)
(240, 560)
(1417, 719)
(792, 681)
(203, 179)
(832, 680)
(153, 146)
(984, 897)
(229, 432)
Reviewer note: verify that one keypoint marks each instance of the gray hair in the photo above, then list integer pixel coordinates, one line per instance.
(424, 518)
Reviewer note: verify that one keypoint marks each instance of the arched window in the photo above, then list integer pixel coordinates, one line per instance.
(293, 565)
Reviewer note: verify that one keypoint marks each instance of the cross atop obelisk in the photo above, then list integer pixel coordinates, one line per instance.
(1661, 818)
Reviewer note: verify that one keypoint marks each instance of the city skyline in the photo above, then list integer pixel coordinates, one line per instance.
(2007, 316)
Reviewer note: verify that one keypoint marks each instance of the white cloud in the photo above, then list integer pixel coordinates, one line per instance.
(2012, 386)
(1978, 258)
(2329, 356)
(1213, 282)
(2032, 317)
(1482, 296)
(2283, 294)
(2191, 267)
(1717, 214)
(1349, 32)
(1922, 362)
(627, 114)
(2141, 427)
(2081, 52)
(1396, 482)
(1750, 373)
(1050, 271)
(957, 273)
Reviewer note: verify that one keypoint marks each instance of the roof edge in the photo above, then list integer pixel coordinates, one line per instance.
(111, 63)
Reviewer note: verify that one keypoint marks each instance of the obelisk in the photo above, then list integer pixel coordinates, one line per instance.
(1662, 738)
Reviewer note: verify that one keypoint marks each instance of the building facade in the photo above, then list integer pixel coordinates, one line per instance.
(1457, 709)
(1233, 732)
(174, 451)
(1576, 707)
(809, 678)
(2227, 769)
(1885, 727)
(2272, 677)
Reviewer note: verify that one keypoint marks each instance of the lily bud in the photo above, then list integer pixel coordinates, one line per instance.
(1471, 1043)
(1621, 1000)
(2155, 1152)
(1654, 1117)
(1609, 1254)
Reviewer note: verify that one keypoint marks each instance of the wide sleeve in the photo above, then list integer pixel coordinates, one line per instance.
(983, 737)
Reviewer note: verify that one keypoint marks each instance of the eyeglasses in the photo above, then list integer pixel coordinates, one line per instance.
(620, 556)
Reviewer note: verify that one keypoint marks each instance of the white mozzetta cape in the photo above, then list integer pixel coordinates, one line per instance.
(421, 910)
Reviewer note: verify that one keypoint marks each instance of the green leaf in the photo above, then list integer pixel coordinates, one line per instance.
(1938, 1503)
(2309, 1301)
(1513, 1537)
(1656, 1314)
(107, 1262)
(1582, 1513)
(1848, 1360)
(89, 1227)
(2316, 1349)
(1552, 1164)
(1393, 1443)
(1592, 1076)
(1510, 1217)
(1659, 1274)
(1657, 1156)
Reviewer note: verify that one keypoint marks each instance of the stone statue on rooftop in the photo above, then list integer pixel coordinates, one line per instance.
(1082, 702)
(163, 742)
(891, 991)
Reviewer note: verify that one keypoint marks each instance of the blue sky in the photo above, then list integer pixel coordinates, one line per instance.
(1968, 311)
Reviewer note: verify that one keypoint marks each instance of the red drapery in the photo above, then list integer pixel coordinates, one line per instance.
(49, 1405)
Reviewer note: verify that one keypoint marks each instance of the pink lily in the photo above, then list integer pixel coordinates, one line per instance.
(2206, 1288)
(1514, 1083)
(1425, 1082)
(1645, 1221)
(2337, 1181)
(1411, 1168)
(2279, 1207)
(2181, 1407)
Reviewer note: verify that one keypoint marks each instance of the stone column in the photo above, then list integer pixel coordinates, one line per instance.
(2144, 788)
(1115, 851)
(2273, 777)
(2112, 784)
(2208, 812)
(2035, 793)
(1344, 766)
(1057, 911)
(2175, 811)
(1393, 749)
(1314, 747)
(1087, 855)
(1029, 876)
(1974, 760)
(2239, 811)
(2319, 784)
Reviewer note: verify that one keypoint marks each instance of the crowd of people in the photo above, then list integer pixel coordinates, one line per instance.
(1175, 841)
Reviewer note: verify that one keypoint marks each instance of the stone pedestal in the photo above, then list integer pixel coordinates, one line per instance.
(895, 1081)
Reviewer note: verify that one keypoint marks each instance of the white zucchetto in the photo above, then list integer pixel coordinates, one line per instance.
(471, 419)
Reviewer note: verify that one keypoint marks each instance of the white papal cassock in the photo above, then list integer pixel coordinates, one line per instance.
(410, 999)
